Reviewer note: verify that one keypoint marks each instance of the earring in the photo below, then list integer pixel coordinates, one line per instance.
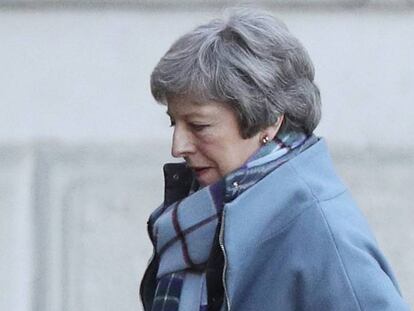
(265, 140)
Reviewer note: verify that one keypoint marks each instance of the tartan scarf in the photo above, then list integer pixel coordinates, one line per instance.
(183, 232)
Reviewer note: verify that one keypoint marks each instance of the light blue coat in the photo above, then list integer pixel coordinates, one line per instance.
(296, 241)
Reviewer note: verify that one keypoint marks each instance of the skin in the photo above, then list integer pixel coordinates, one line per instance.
(207, 136)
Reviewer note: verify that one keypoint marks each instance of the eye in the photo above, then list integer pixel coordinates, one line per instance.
(198, 127)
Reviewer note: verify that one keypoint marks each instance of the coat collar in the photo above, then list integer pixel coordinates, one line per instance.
(179, 179)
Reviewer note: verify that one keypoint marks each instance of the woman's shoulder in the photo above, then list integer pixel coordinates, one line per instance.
(302, 198)
(315, 168)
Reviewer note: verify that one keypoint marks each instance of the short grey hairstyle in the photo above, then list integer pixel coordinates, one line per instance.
(249, 61)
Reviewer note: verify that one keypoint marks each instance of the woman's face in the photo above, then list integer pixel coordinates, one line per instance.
(207, 136)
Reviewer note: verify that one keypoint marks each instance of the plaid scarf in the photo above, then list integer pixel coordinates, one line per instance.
(184, 231)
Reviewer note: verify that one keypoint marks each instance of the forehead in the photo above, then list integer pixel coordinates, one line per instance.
(185, 106)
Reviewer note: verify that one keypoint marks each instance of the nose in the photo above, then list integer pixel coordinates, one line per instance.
(182, 144)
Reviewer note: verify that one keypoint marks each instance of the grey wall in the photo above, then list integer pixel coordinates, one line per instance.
(82, 75)
(73, 219)
(82, 143)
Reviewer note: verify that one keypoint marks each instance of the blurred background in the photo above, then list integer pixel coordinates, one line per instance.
(82, 142)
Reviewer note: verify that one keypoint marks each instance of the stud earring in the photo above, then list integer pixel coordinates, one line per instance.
(265, 140)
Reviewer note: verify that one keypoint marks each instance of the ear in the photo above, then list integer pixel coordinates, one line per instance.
(272, 130)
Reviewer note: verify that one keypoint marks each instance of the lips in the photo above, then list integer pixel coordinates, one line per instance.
(200, 170)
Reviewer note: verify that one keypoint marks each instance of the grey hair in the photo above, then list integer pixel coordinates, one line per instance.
(249, 61)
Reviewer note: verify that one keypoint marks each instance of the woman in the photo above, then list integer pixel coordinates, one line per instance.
(255, 218)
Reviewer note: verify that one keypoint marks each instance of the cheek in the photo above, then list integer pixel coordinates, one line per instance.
(223, 159)
(211, 153)
(211, 147)
(218, 158)
(220, 152)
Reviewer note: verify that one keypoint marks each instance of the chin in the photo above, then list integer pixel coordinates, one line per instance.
(207, 182)
(207, 177)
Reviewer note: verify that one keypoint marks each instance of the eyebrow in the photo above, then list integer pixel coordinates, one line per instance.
(190, 114)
